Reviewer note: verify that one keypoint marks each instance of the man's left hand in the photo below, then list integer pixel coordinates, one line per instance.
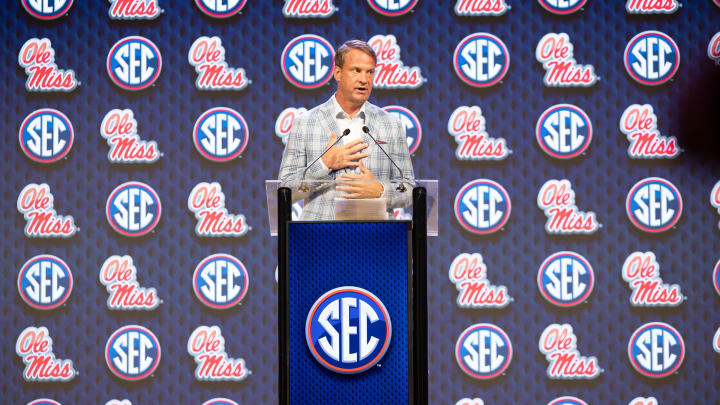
(365, 188)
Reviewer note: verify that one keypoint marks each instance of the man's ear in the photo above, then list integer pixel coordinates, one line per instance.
(336, 73)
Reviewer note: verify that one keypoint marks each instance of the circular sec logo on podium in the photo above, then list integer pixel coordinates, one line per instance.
(348, 330)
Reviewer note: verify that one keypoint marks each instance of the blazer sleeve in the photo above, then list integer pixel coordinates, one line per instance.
(400, 154)
(295, 157)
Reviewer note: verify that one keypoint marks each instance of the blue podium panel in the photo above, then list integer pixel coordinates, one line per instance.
(370, 256)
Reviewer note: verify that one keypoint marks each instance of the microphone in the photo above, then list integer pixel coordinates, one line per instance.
(303, 187)
(401, 188)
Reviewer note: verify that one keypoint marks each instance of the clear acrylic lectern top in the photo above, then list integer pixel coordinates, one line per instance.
(334, 200)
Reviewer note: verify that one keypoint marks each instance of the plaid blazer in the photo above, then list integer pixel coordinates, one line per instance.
(309, 136)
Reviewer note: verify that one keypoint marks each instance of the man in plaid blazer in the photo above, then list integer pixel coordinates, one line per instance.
(356, 156)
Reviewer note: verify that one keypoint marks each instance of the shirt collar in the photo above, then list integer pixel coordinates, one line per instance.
(338, 112)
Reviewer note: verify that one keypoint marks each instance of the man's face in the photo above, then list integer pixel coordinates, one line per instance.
(355, 78)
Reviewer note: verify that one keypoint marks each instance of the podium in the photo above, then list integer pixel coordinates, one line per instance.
(352, 293)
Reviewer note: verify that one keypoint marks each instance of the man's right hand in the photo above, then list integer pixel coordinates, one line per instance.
(342, 156)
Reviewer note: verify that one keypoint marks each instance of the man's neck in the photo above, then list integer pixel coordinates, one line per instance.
(350, 109)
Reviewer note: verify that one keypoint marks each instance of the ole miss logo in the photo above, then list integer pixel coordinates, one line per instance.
(392, 8)
(220, 401)
(656, 350)
(308, 61)
(134, 10)
(47, 10)
(35, 347)
(348, 345)
(477, 8)
(132, 353)
(390, 71)
(37, 58)
(220, 134)
(565, 279)
(651, 6)
(308, 8)
(134, 63)
(45, 282)
(285, 120)
(482, 206)
(559, 345)
(567, 401)
(562, 7)
(481, 60)
(411, 123)
(220, 8)
(220, 281)
(714, 48)
(483, 351)
(563, 131)
(654, 205)
(46, 135)
(715, 198)
(133, 209)
(652, 58)
(207, 346)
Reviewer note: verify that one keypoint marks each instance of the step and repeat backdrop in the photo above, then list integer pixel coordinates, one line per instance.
(576, 144)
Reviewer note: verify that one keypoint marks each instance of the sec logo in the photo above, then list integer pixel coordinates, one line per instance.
(563, 131)
(308, 61)
(220, 134)
(43, 401)
(654, 205)
(567, 401)
(482, 206)
(133, 209)
(565, 279)
(220, 8)
(716, 277)
(132, 353)
(46, 135)
(45, 9)
(134, 63)
(483, 351)
(411, 123)
(45, 282)
(481, 60)
(652, 58)
(656, 350)
(562, 7)
(364, 330)
(220, 401)
(392, 8)
(220, 281)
